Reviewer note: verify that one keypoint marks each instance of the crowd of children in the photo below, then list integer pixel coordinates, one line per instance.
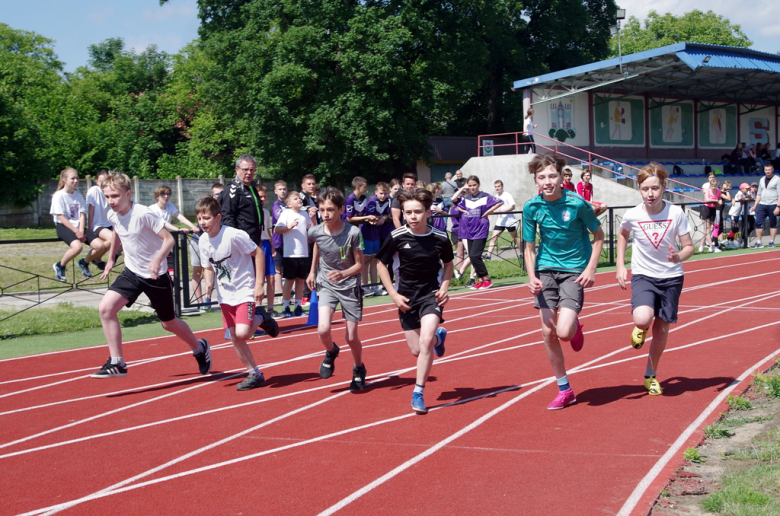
(393, 242)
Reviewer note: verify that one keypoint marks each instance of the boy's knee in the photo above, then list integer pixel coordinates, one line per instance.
(169, 325)
(548, 332)
(243, 333)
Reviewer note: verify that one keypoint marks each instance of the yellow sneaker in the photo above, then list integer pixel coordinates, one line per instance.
(638, 337)
(653, 387)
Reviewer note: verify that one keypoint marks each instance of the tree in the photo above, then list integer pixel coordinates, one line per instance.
(28, 74)
(667, 29)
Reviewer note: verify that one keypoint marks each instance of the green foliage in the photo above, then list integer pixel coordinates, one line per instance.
(738, 402)
(692, 455)
(751, 491)
(770, 383)
(717, 431)
(661, 30)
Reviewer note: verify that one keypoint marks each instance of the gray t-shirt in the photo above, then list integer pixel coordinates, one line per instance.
(768, 190)
(448, 188)
(336, 254)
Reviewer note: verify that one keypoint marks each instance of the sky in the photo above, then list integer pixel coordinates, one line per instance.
(76, 24)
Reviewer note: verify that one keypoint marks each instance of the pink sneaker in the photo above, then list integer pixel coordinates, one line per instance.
(563, 399)
(486, 284)
(477, 286)
(578, 340)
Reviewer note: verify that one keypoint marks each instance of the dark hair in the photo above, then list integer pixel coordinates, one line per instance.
(410, 175)
(498, 181)
(542, 161)
(394, 182)
(261, 188)
(421, 195)
(209, 205)
(359, 181)
(162, 190)
(307, 177)
(475, 179)
(218, 185)
(333, 195)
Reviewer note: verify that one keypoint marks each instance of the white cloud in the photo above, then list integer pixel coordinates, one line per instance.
(758, 20)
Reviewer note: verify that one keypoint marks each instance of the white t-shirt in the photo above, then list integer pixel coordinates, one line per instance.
(228, 254)
(137, 229)
(509, 219)
(529, 124)
(653, 234)
(296, 240)
(736, 205)
(96, 198)
(70, 205)
(167, 214)
(266, 225)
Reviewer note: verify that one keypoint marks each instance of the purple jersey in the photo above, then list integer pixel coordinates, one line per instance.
(355, 207)
(455, 214)
(276, 210)
(371, 232)
(473, 226)
(438, 222)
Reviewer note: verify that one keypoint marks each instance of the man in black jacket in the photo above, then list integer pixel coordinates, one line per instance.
(241, 208)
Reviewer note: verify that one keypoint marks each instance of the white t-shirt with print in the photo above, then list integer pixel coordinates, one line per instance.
(508, 219)
(653, 234)
(228, 254)
(137, 229)
(96, 198)
(70, 205)
(167, 214)
(296, 240)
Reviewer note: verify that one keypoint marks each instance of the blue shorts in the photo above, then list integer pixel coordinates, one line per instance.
(766, 211)
(370, 247)
(267, 247)
(662, 294)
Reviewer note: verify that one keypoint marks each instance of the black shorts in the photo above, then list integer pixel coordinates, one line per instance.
(420, 307)
(92, 235)
(663, 294)
(511, 229)
(65, 234)
(559, 290)
(708, 213)
(278, 258)
(296, 268)
(159, 292)
(454, 238)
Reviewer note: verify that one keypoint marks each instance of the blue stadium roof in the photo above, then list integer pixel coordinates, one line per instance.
(683, 70)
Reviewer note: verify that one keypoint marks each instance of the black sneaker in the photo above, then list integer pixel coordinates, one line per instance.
(298, 311)
(268, 324)
(253, 381)
(204, 357)
(110, 370)
(84, 266)
(470, 283)
(358, 378)
(327, 366)
(100, 264)
(59, 272)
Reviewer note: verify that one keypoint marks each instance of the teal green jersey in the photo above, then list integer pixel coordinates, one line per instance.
(564, 231)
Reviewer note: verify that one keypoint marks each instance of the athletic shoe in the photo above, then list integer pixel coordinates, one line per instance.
(368, 292)
(486, 284)
(110, 370)
(381, 291)
(207, 308)
(771, 244)
(358, 378)
(475, 286)
(757, 245)
(638, 337)
(204, 357)
(258, 333)
(563, 399)
(441, 336)
(486, 257)
(328, 366)
(653, 387)
(100, 264)
(701, 249)
(268, 324)
(59, 272)
(298, 311)
(457, 274)
(715, 250)
(579, 339)
(305, 301)
(418, 403)
(227, 334)
(252, 381)
(287, 312)
(84, 268)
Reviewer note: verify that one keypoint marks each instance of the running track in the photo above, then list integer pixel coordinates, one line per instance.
(165, 440)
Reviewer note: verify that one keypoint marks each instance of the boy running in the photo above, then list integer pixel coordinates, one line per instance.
(146, 243)
(563, 266)
(337, 260)
(656, 265)
(420, 298)
(229, 252)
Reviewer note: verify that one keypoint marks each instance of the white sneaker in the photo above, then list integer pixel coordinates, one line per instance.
(701, 249)
(457, 274)
(715, 249)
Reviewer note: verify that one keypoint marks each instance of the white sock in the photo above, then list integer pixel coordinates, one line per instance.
(285, 303)
(256, 370)
(297, 303)
(117, 360)
(419, 388)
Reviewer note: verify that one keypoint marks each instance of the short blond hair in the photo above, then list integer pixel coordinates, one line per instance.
(117, 180)
(650, 170)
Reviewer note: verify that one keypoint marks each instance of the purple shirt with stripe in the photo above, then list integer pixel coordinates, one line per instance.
(473, 226)
(276, 210)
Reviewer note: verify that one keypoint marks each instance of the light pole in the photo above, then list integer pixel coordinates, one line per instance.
(615, 29)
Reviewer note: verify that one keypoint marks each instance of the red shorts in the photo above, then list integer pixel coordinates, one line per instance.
(241, 314)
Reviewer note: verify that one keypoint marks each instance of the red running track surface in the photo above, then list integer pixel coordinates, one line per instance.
(165, 439)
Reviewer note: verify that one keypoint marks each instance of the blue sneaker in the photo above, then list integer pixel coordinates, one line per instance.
(298, 311)
(418, 404)
(227, 334)
(441, 336)
(268, 324)
(258, 333)
(287, 312)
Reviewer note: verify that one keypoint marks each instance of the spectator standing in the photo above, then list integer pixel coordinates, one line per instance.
(767, 205)
(448, 187)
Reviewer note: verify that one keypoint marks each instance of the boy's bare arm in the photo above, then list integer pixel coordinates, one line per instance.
(315, 261)
(259, 274)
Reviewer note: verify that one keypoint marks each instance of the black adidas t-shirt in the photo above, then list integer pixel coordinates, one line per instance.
(420, 258)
